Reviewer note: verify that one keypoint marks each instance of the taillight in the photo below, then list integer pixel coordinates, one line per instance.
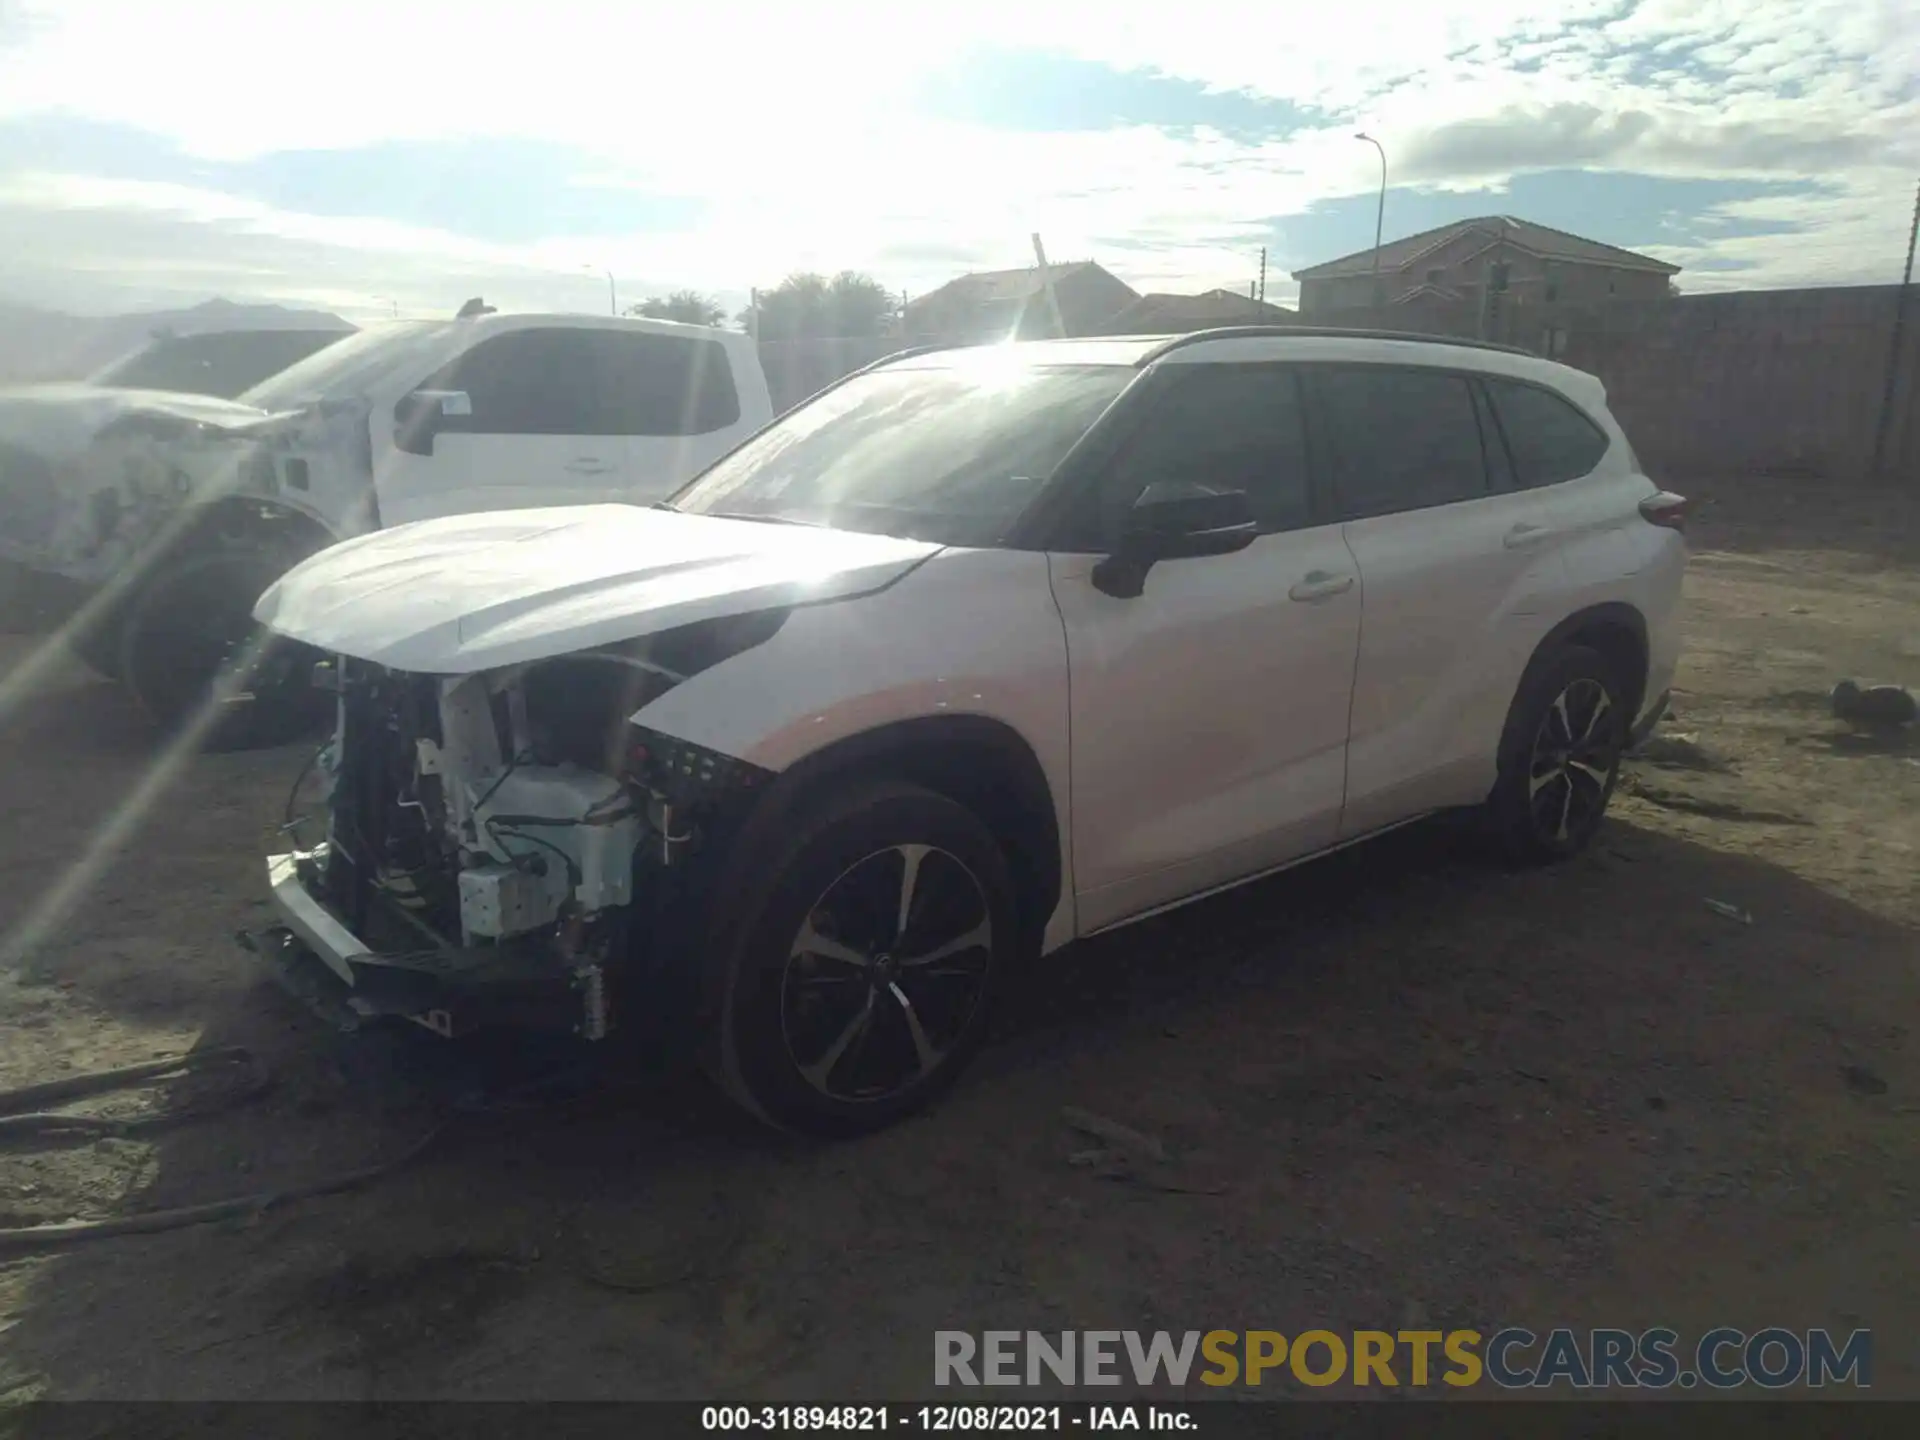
(1667, 510)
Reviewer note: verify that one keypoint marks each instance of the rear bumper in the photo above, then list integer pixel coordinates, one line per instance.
(313, 955)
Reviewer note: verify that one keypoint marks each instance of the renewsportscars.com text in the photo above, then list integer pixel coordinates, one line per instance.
(1511, 1358)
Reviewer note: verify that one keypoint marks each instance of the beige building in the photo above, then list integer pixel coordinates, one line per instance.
(1012, 304)
(1451, 266)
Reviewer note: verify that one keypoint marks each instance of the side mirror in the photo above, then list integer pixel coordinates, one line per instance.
(1173, 522)
(420, 415)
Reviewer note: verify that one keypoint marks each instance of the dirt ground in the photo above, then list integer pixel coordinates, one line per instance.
(1418, 1087)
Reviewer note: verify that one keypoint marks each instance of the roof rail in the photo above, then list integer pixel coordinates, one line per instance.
(905, 354)
(1248, 332)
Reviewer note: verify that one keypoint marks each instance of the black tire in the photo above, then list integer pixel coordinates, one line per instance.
(1559, 757)
(791, 1046)
(98, 646)
(189, 642)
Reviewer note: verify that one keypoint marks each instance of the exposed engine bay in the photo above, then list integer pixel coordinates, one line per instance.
(514, 835)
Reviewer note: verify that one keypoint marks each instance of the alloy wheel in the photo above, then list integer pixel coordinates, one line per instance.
(1575, 752)
(889, 967)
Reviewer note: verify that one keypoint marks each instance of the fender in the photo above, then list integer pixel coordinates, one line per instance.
(970, 633)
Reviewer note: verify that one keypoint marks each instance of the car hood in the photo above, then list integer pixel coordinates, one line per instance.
(58, 422)
(477, 592)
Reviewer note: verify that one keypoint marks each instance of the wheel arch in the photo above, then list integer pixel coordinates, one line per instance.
(241, 520)
(228, 523)
(977, 761)
(1614, 628)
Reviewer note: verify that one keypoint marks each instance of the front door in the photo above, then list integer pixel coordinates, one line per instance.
(539, 433)
(1209, 714)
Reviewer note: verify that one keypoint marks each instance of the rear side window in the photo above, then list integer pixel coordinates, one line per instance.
(665, 384)
(1549, 439)
(1224, 428)
(594, 382)
(1401, 439)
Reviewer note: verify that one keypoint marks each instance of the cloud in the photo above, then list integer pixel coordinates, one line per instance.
(1521, 138)
(434, 148)
(93, 245)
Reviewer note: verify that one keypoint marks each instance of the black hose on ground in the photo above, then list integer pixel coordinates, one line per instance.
(41, 1122)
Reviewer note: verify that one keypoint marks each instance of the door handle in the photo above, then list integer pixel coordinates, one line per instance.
(589, 467)
(1319, 585)
(1523, 535)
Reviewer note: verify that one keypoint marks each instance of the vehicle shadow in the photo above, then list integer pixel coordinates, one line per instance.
(1400, 1087)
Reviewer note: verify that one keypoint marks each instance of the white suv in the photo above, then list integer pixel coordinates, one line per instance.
(978, 652)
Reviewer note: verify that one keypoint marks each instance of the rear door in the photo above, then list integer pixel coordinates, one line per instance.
(539, 433)
(1209, 713)
(1556, 449)
(1460, 571)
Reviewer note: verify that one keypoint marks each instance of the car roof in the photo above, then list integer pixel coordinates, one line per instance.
(1105, 350)
(1250, 343)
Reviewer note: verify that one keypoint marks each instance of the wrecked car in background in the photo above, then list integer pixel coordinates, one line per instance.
(222, 363)
(165, 516)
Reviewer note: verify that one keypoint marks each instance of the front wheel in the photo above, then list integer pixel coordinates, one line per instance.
(193, 656)
(861, 978)
(1559, 757)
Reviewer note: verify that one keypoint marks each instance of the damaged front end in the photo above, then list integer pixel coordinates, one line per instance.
(508, 848)
(91, 479)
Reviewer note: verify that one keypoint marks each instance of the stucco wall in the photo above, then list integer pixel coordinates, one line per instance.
(1752, 381)
(1785, 382)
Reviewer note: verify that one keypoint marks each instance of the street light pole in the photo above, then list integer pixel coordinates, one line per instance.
(1379, 214)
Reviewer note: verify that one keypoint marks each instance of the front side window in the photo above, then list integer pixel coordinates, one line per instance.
(527, 382)
(1402, 439)
(1549, 439)
(589, 381)
(1222, 427)
(953, 453)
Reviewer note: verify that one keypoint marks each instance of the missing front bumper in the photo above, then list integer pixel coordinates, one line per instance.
(317, 959)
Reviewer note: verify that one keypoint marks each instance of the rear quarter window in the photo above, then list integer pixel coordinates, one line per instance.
(1548, 437)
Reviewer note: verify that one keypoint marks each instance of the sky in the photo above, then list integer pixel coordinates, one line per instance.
(399, 157)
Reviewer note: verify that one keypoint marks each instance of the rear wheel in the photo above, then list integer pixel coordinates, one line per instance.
(192, 654)
(861, 978)
(1559, 757)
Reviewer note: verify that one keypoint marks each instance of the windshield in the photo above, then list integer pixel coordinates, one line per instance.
(221, 364)
(953, 455)
(351, 367)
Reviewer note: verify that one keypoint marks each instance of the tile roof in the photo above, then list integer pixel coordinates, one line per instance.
(1181, 312)
(987, 287)
(1542, 240)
